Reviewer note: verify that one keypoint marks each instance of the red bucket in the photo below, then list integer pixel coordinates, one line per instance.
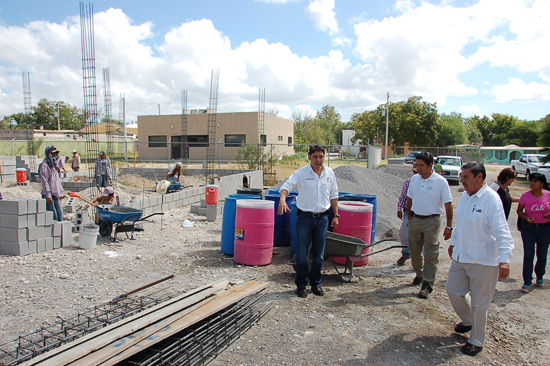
(212, 194)
(21, 175)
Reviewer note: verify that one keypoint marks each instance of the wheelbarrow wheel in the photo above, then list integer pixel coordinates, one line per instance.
(105, 228)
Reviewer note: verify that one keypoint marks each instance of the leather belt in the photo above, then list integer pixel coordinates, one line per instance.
(541, 224)
(425, 217)
(312, 214)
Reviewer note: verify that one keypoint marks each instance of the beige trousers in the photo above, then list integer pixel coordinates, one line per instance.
(423, 238)
(471, 288)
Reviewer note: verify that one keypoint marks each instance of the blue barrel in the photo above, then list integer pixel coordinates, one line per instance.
(369, 198)
(228, 223)
(254, 191)
(273, 191)
(293, 234)
(281, 236)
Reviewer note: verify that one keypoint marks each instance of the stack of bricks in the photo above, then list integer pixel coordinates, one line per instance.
(81, 218)
(26, 227)
(8, 165)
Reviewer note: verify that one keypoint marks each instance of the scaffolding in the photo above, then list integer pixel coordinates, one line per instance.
(108, 105)
(184, 143)
(212, 110)
(27, 102)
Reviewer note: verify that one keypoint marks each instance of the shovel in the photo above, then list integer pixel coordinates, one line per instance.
(72, 194)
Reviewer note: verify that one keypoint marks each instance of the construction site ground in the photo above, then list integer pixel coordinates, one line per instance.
(377, 320)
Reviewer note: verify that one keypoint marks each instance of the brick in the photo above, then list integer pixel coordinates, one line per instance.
(211, 212)
(49, 218)
(66, 234)
(48, 230)
(33, 246)
(34, 233)
(41, 245)
(41, 219)
(13, 206)
(49, 243)
(57, 242)
(13, 235)
(13, 221)
(31, 220)
(19, 249)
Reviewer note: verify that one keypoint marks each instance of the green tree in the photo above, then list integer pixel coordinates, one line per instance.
(525, 133)
(473, 134)
(329, 122)
(46, 114)
(453, 131)
(544, 138)
(306, 129)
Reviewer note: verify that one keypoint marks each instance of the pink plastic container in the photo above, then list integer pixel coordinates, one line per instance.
(254, 228)
(356, 221)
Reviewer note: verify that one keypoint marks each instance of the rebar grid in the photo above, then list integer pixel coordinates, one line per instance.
(205, 340)
(28, 346)
(212, 110)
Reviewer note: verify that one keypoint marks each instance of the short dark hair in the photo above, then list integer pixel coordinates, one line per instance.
(314, 148)
(426, 157)
(505, 174)
(476, 167)
(538, 176)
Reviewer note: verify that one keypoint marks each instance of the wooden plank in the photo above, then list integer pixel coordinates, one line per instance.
(206, 289)
(220, 302)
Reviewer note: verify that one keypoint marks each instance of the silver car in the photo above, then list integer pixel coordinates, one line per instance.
(452, 167)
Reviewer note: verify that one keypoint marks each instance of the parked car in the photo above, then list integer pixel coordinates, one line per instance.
(452, 167)
(410, 158)
(527, 164)
(544, 169)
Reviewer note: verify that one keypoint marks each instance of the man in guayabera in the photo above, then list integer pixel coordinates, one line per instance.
(318, 191)
(428, 193)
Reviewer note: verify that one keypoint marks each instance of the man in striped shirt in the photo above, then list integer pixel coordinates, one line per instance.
(402, 214)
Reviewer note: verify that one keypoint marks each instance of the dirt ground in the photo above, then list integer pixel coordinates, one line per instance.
(377, 320)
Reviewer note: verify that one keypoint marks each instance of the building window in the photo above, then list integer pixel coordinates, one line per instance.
(197, 140)
(279, 138)
(157, 141)
(502, 154)
(290, 141)
(234, 140)
(263, 140)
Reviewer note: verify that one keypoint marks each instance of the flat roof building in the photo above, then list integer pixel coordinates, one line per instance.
(160, 136)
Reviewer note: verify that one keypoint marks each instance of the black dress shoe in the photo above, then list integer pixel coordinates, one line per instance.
(317, 290)
(461, 328)
(301, 292)
(470, 350)
(417, 281)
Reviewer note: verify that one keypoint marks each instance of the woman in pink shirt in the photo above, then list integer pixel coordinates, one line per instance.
(534, 209)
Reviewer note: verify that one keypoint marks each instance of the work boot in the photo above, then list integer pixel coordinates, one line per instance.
(425, 291)
(301, 292)
(401, 261)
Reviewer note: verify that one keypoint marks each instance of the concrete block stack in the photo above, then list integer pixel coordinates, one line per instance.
(8, 165)
(26, 227)
(29, 162)
(81, 218)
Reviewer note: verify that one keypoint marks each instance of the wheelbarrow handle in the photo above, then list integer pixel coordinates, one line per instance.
(154, 214)
(382, 250)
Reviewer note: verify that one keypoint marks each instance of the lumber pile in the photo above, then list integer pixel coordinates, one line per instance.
(175, 327)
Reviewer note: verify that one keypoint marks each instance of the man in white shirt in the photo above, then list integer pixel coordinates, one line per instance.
(318, 191)
(481, 248)
(173, 174)
(427, 194)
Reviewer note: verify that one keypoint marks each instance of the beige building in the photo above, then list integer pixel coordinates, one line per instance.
(160, 136)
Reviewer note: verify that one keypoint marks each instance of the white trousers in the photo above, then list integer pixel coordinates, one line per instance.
(470, 288)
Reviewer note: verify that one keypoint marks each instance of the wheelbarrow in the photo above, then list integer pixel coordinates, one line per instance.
(123, 218)
(339, 245)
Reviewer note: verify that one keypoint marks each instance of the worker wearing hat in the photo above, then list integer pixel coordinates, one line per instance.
(76, 161)
(52, 190)
(103, 170)
(173, 174)
(105, 198)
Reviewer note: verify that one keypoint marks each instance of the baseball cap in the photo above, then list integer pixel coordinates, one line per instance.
(102, 152)
(53, 150)
(74, 151)
(108, 191)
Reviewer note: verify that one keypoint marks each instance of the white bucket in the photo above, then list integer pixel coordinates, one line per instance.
(88, 236)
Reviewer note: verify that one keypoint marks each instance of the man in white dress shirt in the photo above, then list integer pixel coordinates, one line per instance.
(318, 191)
(481, 248)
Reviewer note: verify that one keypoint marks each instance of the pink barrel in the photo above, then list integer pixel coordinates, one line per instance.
(254, 228)
(356, 221)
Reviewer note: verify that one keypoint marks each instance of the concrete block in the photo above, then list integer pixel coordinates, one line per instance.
(13, 235)
(49, 218)
(41, 219)
(14, 206)
(33, 246)
(41, 205)
(56, 242)
(49, 243)
(122, 200)
(202, 211)
(36, 232)
(82, 217)
(13, 221)
(70, 205)
(31, 220)
(211, 211)
(66, 234)
(40, 245)
(57, 227)
(48, 230)
(194, 208)
(171, 205)
(19, 249)
(32, 206)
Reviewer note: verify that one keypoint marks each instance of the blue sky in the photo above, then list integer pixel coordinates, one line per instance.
(472, 57)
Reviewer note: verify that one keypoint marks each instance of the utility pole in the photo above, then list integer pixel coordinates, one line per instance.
(159, 109)
(58, 124)
(387, 121)
(125, 132)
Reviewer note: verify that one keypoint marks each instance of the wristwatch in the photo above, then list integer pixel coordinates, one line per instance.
(449, 227)
(338, 216)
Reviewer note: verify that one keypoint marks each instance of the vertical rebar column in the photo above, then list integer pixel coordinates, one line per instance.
(212, 109)
(261, 128)
(108, 110)
(27, 102)
(89, 85)
(184, 147)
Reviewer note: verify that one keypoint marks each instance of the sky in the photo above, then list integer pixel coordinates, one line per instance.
(470, 57)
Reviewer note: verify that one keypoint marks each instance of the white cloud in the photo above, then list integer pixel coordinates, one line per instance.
(469, 108)
(518, 91)
(323, 15)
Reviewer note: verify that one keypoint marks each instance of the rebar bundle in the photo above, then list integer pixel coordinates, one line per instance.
(28, 346)
(201, 343)
(212, 110)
